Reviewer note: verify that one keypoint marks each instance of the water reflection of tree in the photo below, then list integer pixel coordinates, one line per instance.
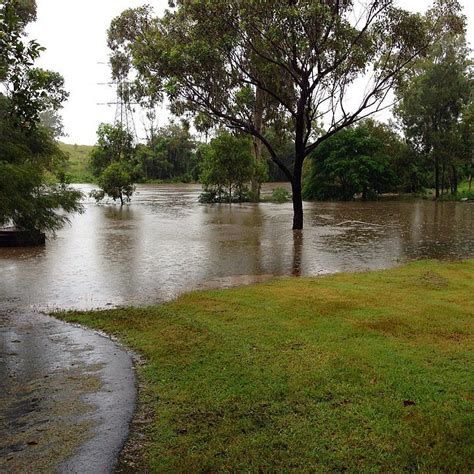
(439, 230)
(297, 252)
(121, 251)
(119, 213)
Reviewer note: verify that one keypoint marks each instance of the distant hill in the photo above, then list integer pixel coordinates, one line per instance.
(78, 165)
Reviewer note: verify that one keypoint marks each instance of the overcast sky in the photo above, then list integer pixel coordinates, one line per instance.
(74, 35)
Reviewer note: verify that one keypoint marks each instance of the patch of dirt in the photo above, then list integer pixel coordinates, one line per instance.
(390, 326)
(434, 280)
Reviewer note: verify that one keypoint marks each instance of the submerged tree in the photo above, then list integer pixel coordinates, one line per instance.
(356, 160)
(113, 162)
(32, 185)
(210, 57)
(227, 167)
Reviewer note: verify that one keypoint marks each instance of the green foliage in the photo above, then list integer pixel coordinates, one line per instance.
(113, 161)
(226, 168)
(115, 181)
(32, 183)
(354, 161)
(32, 186)
(31, 90)
(280, 196)
(170, 154)
(366, 372)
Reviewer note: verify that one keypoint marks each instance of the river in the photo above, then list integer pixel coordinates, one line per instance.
(165, 243)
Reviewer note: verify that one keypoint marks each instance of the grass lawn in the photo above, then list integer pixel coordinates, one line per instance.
(361, 372)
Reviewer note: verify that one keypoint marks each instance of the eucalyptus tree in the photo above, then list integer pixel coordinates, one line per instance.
(433, 101)
(323, 63)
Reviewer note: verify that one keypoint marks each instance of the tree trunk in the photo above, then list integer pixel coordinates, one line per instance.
(436, 177)
(454, 183)
(121, 200)
(297, 252)
(297, 205)
(256, 183)
(470, 182)
(297, 195)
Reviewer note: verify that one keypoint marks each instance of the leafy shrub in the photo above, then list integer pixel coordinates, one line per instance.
(280, 196)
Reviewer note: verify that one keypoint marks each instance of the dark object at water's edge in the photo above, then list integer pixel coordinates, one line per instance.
(21, 238)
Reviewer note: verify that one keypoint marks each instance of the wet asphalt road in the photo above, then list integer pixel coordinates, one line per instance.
(67, 396)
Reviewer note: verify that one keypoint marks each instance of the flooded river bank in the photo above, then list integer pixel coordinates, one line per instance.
(165, 243)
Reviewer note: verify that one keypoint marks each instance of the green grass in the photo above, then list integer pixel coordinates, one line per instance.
(462, 194)
(369, 372)
(78, 164)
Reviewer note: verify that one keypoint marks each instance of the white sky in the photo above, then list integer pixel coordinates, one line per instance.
(74, 35)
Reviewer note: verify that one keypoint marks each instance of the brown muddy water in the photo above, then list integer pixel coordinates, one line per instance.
(165, 243)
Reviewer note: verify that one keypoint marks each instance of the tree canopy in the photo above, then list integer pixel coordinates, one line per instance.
(210, 58)
(32, 184)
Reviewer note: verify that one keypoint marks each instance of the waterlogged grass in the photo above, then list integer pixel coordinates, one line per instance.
(367, 372)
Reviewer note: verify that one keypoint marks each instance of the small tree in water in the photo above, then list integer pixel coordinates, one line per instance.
(113, 162)
(115, 182)
(227, 168)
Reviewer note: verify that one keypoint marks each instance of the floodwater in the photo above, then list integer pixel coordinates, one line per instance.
(59, 382)
(165, 243)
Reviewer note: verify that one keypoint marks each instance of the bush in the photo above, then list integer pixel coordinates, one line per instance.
(116, 182)
(354, 161)
(227, 166)
(280, 196)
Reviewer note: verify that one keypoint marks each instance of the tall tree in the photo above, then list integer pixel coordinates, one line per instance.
(431, 104)
(311, 54)
(433, 96)
(32, 185)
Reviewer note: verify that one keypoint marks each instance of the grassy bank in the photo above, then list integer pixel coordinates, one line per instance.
(360, 372)
(78, 164)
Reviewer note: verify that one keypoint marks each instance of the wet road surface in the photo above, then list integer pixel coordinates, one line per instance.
(67, 394)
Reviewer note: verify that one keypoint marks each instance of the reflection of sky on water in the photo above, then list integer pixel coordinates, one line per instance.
(166, 243)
